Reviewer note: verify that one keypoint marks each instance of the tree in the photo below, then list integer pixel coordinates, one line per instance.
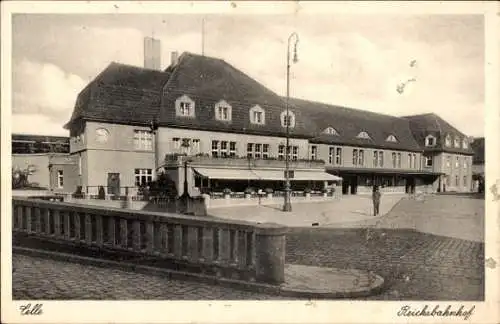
(20, 176)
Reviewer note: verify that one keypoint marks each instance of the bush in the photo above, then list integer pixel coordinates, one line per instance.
(163, 186)
(101, 194)
(307, 190)
(78, 192)
(227, 191)
(269, 191)
(324, 190)
(249, 191)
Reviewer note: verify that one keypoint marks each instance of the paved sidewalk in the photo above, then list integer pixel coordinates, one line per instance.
(347, 209)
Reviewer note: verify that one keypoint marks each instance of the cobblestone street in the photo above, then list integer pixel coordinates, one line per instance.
(415, 265)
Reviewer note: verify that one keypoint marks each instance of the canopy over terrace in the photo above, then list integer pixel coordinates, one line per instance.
(239, 179)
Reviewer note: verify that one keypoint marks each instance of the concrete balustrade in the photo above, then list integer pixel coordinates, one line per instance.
(239, 250)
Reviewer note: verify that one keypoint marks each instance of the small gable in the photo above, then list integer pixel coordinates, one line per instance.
(363, 135)
(391, 138)
(331, 131)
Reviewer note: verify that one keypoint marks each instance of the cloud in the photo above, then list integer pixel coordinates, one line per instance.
(44, 89)
(37, 124)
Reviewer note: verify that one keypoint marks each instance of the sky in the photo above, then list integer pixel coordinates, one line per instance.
(354, 60)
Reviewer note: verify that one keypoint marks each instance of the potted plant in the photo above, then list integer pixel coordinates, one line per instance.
(78, 193)
(325, 192)
(227, 193)
(269, 192)
(248, 192)
(307, 192)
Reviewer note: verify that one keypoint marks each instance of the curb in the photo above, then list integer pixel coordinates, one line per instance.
(178, 275)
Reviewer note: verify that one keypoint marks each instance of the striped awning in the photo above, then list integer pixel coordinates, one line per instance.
(278, 175)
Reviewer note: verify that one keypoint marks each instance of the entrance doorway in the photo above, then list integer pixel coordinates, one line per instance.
(410, 185)
(114, 183)
(354, 185)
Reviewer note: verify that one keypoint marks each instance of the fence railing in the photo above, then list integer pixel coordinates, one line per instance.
(239, 250)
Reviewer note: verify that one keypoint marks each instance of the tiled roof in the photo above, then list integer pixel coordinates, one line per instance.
(350, 122)
(478, 148)
(431, 124)
(206, 81)
(121, 94)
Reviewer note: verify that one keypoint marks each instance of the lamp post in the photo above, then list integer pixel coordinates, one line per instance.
(154, 129)
(287, 206)
(185, 198)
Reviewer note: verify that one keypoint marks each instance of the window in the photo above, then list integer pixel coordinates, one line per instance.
(314, 152)
(457, 162)
(257, 115)
(143, 140)
(60, 179)
(410, 161)
(457, 181)
(331, 131)
(465, 144)
(223, 149)
(457, 142)
(176, 143)
(143, 177)
(399, 160)
(184, 106)
(391, 138)
(215, 149)
(223, 111)
(394, 161)
(232, 149)
(447, 180)
(281, 152)
(80, 164)
(195, 146)
(375, 159)
(430, 140)
(338, 156)
(413, 160)
(293, 152)
(465, 164)
(465, 181)
(258, 151)
(447, 141)
(381, 158)
(448, 161)
(428, 161)
(358, 157)
(287, 120)
(265, 151)
(363, 135)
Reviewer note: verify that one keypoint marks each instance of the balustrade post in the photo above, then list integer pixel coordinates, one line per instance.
(47, 221)
(270, 242)
(28, 219)
(150, 236)
(111, 231)
(19, 216)
(99, 229)
(136, 236)
(88, 229)
(67, 227)
(57, 222)
(38, 216)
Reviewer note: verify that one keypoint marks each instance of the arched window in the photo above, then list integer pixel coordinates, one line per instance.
(223, 111)
(331, 131)
(287, 120)
(430, 140)
(391, 138)
(447, 140)
(363, 135)
(257, 115)
(184, 106)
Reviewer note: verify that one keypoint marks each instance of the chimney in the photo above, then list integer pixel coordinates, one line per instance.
(174, 58)
(152, 53)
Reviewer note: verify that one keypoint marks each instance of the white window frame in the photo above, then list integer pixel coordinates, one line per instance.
(184, 103)
(221, 107)
(216, 149)
(176, 143)
(257, 109)
(427, 159)
(60, 179)
(232, 149)
(456, 142)
(391, 138)
(142, 174)
(143, 140)
(363, 135)
(447, 140)
(291, 118)
(428, 139)
(195, 145)
(331, 131)
(338, 156)
(457, 162)
(265, 151)
(394, 160)
(398, 159)
(331, 154)
(314, 152)
(281, 152)
(465, 144)
(448, 161)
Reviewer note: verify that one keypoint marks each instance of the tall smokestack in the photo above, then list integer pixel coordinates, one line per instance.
(152, 53)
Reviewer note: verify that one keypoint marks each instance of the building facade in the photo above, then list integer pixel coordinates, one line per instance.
(130, 123)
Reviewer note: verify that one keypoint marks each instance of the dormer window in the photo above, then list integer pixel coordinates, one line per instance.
(223, 111)
(457, 142)
(391, 138)
(287, 120)
(331, 131)
(447, 141)
(465, 144)
(363, 135)
(430, 141)
(184, 106)
(257, 115)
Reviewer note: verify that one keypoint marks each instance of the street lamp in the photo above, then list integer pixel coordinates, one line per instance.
(287, 206)
(153, 126)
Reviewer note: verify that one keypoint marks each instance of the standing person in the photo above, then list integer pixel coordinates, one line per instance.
(376, 200)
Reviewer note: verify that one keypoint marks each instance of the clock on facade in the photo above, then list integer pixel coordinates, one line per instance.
(102, 135)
